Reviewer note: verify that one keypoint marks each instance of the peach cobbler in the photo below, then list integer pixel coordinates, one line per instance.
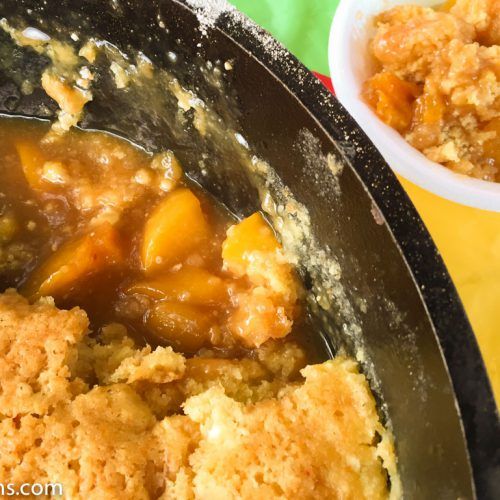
(152, 346)
(439, 82)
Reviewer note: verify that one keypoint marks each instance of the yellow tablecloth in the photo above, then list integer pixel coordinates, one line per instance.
(469, 241)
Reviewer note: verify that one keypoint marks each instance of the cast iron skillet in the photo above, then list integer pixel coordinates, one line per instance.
(428, 374)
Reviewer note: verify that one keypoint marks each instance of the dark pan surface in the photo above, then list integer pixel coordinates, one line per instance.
(428, 374)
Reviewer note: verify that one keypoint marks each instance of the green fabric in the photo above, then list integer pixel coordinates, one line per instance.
(302, 26)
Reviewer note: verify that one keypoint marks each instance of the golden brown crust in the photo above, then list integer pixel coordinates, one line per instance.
(452, 57)
(37, 350)
(243, 428)
(317, 441)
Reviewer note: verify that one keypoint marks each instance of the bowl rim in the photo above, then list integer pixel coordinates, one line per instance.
(481, 425)
(404, 159)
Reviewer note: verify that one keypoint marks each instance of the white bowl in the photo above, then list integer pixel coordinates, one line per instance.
(350, 65)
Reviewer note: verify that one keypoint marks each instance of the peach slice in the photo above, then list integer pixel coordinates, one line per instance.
(184, 326)
(74, 260)
(32, 162)
(189, 284)
(252, 234)
(392, 99)
(492, 146)
(176, 227)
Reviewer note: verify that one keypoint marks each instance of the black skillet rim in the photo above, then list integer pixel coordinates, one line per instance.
(446, 312)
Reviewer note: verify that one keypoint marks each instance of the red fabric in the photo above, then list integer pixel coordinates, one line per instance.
(325, 80)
